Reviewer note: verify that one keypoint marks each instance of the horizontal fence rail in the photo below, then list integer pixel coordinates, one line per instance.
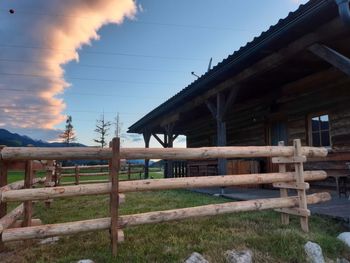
(85, 153)
(156, 217)
(155, 184)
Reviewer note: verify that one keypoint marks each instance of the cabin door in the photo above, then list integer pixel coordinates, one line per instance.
(277, 132)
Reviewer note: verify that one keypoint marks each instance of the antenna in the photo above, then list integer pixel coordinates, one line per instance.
(194, 74)
(209, 66)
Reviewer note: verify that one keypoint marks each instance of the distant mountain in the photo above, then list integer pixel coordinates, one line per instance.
(15, 140)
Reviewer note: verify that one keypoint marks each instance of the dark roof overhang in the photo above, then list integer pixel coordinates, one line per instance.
(298, 23)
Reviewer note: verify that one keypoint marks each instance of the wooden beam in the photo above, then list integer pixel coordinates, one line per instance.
(159, 140)
(230, 100)
(299, 178)
(156, 184)
(212, 108)
(146, 137)
(44, 231)
(10, 218)
(333, 57)
(84, 153)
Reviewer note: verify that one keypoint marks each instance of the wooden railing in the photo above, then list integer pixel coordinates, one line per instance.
(282, 155)
(79, 171)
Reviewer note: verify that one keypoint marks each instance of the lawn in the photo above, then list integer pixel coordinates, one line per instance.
(174, 241)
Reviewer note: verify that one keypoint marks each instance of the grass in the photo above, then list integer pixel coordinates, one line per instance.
(174, 241)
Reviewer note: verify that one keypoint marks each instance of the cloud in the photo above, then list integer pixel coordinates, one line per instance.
(30, 93)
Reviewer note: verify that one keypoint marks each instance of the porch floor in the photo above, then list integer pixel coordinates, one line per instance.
(337, 208)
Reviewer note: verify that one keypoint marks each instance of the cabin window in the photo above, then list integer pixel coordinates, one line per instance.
(320, 131)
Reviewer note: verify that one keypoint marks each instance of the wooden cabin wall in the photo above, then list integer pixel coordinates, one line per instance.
(248, 124)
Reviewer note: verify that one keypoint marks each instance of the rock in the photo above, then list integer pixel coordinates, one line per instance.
(50, 240)
(345, 237)
(85, 261)
(314, 253)
(234, 256)
(342, 260)
(196, 258)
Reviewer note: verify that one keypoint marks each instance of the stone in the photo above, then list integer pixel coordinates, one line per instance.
(345, 237)
(342, 260)
(50, 240)
(235, 256)
(196, 258)
(85, 261)
(313, 252)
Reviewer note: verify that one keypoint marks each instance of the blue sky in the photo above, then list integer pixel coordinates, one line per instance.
(138, 64)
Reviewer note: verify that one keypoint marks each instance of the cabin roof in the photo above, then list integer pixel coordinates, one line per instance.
(304, 20)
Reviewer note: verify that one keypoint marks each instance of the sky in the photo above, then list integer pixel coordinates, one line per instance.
(87, 58)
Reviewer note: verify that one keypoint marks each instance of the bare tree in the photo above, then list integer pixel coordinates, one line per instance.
(118, 126)
(68, 136)
(102, 128)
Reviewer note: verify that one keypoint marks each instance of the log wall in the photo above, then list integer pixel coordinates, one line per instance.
(249, 123)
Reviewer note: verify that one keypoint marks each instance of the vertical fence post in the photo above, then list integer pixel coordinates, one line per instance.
(114, 165)
(59, 173)
(299, 172)
(282, 168)
(28, 183)
(49, 179)
(76, 171)
(3, 182)
(129, 171)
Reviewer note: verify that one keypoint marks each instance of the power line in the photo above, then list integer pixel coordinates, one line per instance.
(107, 53)
(89, 79)
(96, 66)
(86, 94)
(152, 23)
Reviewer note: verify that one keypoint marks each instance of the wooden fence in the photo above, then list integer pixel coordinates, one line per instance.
(282, 155)
(79, 171)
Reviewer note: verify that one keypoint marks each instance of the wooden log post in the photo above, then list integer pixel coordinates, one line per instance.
(299, 185)
(49, 179)
(299, 174)
(3, 182)
(28, 183)
(76, 174)
(282, 168)
(146, 137)
(129, 171)
(59, 173)
(114, 196)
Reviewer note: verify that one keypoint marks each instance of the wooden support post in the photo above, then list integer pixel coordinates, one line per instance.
(299, 175)
(169, 135)
(114, 196)
(146, 137)
(283, 192)
(28, 183)
(3, 182)
(76, 174)
(219, 112)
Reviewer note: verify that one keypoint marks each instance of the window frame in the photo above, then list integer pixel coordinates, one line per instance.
(319, 114)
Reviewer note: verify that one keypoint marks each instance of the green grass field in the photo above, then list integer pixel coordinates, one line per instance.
(174, 241)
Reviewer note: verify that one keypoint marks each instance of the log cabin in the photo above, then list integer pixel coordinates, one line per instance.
(290, 82)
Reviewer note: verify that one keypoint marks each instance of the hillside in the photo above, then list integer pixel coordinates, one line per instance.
(15, 140)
